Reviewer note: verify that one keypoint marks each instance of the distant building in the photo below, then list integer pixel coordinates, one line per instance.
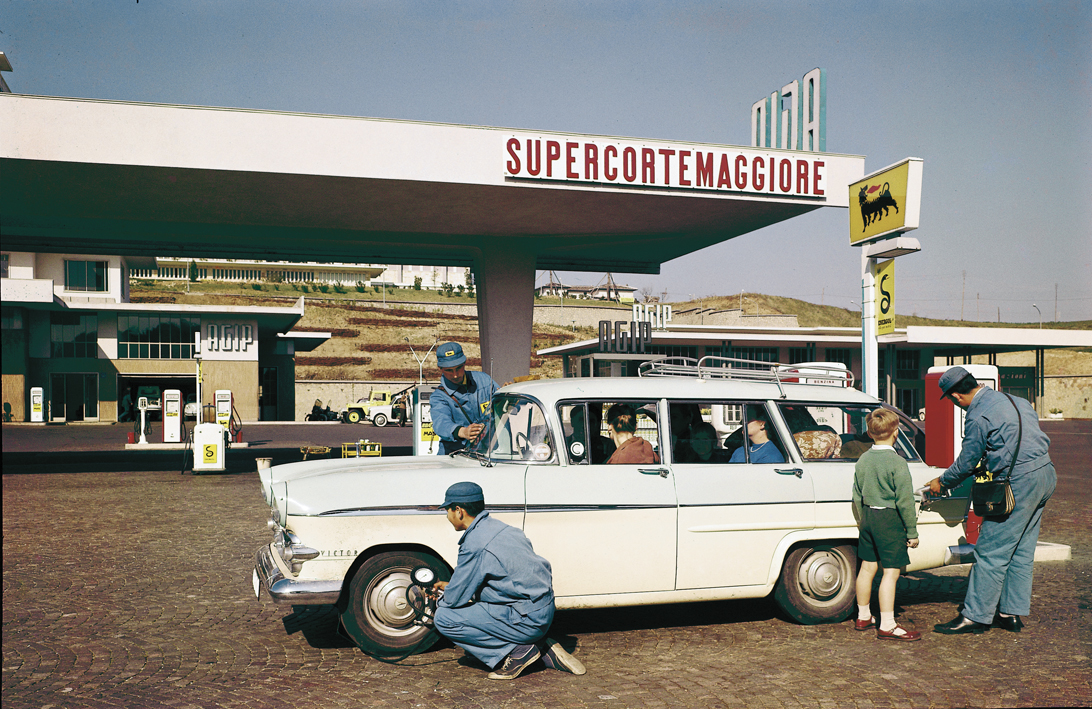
(624, 294)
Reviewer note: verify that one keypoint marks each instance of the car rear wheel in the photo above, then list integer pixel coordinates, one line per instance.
(377, 616)
(380, 420)
(354, 416)
(818, 583)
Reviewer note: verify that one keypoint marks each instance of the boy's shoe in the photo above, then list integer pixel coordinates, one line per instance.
(865, 624)
(517, 661)
(555, 657)
(894, 634)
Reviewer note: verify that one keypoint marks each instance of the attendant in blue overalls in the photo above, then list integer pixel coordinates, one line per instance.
(460, 405)
(499, 602)
(999, 589)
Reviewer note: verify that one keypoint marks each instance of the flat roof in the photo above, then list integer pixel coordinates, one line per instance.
(81, 175)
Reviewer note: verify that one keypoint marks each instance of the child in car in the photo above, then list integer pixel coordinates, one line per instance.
(884, 498)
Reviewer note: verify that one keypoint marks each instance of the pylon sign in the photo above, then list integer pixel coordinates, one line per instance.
(885, 297)
(886, 202)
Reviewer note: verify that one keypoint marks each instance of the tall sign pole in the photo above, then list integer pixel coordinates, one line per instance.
(888, 204)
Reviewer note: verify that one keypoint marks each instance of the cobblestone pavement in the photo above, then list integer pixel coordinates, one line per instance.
(132, 589)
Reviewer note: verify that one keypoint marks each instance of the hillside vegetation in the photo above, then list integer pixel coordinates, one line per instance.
(369, 338)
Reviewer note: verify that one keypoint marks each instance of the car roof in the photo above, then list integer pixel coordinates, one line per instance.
(549, 391)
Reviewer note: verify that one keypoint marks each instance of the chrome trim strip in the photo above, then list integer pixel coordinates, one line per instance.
(596, 508)
(748, 504)
(285, 590)
(406, 510)
(753, 527)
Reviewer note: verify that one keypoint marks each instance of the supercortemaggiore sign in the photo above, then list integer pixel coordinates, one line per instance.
(562, 158)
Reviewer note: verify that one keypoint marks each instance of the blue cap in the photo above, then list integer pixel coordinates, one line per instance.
(462, 493)
(950, 378)
(450, 354)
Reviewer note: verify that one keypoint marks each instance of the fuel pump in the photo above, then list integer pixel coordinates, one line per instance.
(37, 410)
(210, 444)
(142, 404)
(425, 440)
(226, 415)
(944, 431)
(172, 416)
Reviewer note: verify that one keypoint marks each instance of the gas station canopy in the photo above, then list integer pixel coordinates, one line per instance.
(107, 177)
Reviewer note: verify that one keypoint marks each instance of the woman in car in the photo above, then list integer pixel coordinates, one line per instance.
(631, 449)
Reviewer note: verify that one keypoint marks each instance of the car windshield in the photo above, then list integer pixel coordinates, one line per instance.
(516, 431)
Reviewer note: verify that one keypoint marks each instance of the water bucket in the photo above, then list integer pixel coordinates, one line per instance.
(264, 463)
(131, 437)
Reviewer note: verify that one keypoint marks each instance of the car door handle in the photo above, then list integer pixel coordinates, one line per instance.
(662, 472)
(798, 472)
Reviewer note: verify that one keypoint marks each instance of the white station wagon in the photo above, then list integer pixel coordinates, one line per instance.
(693, 527)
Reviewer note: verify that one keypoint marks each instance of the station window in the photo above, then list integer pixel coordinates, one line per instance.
(156, 336)
(843, 355)
(85, 276)
(754, 354)
(73, 335)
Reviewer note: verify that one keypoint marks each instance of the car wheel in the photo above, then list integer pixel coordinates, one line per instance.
(818, 584)
(307, 417)
(377, 617)
(354, 416)
(380, 420)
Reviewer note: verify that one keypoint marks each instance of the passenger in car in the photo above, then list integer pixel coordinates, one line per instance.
(706, 448)
(683, 419)
(760, 449)
(632, 449)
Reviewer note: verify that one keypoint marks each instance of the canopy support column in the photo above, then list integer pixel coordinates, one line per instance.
(505, 282)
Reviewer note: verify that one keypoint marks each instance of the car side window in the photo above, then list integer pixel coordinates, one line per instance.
(588, 439)
(834, 432)
(722, 432)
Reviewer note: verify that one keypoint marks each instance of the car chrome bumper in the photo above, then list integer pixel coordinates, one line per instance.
(286, 590)
(959, 554)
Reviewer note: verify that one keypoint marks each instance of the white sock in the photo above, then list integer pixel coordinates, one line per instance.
(887, 621)
(864, 612)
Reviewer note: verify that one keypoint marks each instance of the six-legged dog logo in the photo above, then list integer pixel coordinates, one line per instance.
(873, 205)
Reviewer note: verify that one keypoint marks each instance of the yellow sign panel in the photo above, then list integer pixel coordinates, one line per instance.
(886, 202)
(208, 454)
(427, 434)
(885, 297)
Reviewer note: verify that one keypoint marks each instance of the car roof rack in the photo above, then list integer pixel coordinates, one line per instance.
(715, 367)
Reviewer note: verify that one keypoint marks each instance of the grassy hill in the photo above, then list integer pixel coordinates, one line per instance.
(369, 337)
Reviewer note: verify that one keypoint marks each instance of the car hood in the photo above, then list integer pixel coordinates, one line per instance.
(354, 486)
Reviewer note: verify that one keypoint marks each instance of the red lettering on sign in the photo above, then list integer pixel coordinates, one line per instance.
(667, 164)
(784, 175)
(591, 161)
(705, 168)
(609, 172)
(553, 152)
(683, 167)
(570, 159)
(741, 172)
(648, 165)
(513, 164)
(801, 177)
(629, 164)
(815, 189)
(534, 159)
(773, 164)
(759, 180)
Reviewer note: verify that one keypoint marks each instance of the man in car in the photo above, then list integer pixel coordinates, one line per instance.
(460, 405)
(1001, 428)
(499, 602)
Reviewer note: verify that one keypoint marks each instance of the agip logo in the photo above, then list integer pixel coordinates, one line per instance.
(876, 203)
(885, 202)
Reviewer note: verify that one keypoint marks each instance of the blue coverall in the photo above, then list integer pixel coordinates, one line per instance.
(454, 406)
(500, 594)
(1004, 554)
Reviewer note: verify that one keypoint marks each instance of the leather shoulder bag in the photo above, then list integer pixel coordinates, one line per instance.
(991, 496)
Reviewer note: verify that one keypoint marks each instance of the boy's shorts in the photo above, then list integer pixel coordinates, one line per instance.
(883, 538)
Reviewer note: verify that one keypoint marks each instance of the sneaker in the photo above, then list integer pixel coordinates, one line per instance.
(898, 633)
(865, 624)
(517, 661)
(555, 657)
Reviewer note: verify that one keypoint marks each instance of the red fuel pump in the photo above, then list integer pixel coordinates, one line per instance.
(944, 430)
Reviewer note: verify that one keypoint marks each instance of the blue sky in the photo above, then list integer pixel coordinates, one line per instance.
(995, 97)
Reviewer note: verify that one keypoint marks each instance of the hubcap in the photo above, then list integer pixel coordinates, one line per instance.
(385, 602)
(822, 575)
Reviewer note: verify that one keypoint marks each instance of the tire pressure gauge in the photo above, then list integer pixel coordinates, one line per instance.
(423, 576)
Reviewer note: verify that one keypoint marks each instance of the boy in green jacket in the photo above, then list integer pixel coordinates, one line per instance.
(884, 498)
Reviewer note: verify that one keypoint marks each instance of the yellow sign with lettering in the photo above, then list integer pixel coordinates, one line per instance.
(885, 297)
(427, 434)
(208, 454)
